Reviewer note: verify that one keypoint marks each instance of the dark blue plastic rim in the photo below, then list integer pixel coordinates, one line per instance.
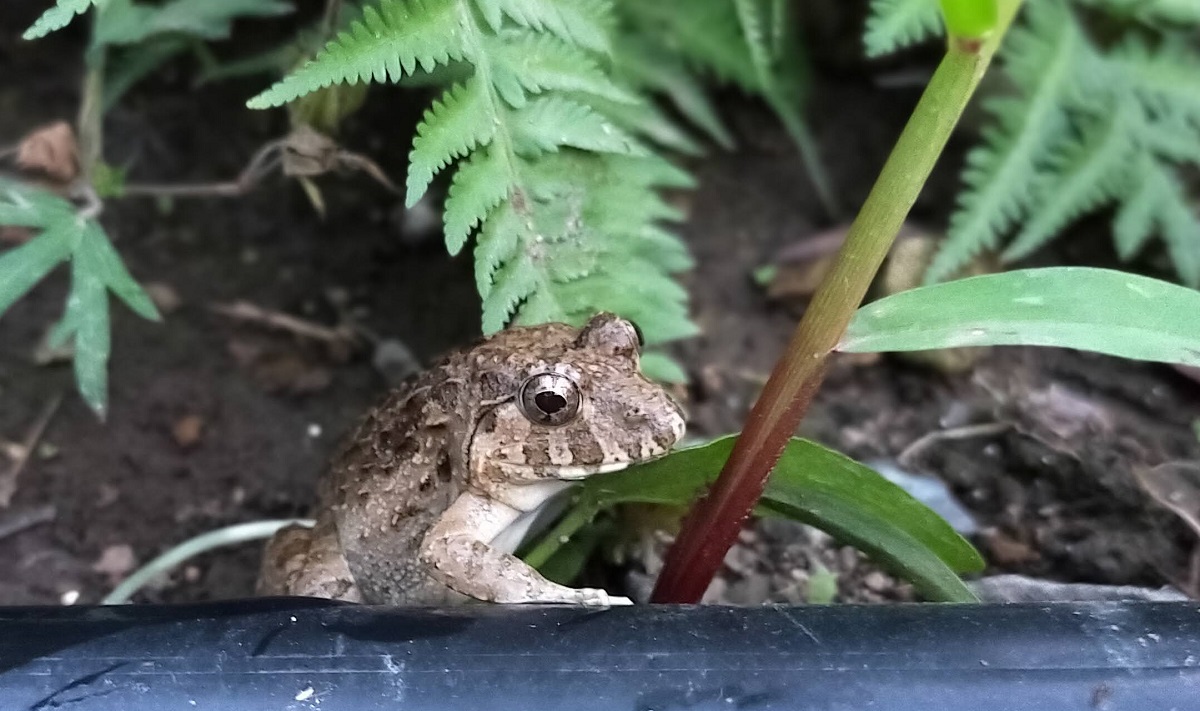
(278, 654)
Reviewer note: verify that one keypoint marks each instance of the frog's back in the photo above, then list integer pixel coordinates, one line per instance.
(390, 482)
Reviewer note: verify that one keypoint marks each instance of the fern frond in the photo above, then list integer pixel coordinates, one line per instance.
(1043, 57)
(648, 122)
(1088, 172)
(647, 66)
(452, 127)
(1134, 223)
(57, 17)
(480, 184)
(551, 122)
(1180, 230)
(1165, 78)
(582, 22)
(895, 24)
(1160, 202)
(524, 61)
(1152, 12)
(387, 44)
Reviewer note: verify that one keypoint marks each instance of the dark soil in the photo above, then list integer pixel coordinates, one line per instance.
(1054, 492)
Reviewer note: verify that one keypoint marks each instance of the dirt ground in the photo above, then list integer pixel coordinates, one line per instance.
(214, 421)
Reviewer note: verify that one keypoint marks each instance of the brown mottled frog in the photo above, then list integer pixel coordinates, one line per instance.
(426, 501)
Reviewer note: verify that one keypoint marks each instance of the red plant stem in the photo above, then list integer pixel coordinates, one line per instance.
(712, 525)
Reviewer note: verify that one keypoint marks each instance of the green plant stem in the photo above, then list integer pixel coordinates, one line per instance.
(228, 536)
(91, 107)
(712, 525)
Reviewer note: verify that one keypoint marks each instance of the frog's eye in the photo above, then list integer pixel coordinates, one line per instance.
(549, 399)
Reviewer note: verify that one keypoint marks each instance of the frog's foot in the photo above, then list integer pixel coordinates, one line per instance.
(306, 562)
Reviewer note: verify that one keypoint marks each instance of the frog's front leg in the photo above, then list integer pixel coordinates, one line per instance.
(457, 551)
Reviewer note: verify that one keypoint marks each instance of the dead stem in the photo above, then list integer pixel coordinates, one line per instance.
(911, 452)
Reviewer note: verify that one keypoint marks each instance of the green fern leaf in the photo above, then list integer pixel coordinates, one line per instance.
(1134, 223)
(452, 127)
(1157, 201)
(582, 22)
(895, 24)
(387, 44)
(1166, 78)
(648, 122)
(499, 242)
(1181, 231)
(524, 61)
(1088, 173)
(513, 283)
(481, 183)
(646, 65)
(105, 264)
(551, 122)
(1043, 57)
(58, 17)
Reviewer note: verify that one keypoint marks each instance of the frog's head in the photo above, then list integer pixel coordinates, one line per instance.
(564, 403)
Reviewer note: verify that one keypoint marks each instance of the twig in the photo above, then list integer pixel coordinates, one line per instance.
(910, 453)
(16, 521)
(8, 479)
(245, 311)
(265, 160)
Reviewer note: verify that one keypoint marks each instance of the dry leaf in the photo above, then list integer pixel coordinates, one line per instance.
(52, 151)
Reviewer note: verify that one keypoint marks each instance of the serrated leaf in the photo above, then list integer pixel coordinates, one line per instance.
(1099, 310)
(388, 43)
(578, 21)
(650, 66)
(999, 175)
(513, 282)
(456, 124)
(499, 241)
(1088, 173)
(548, 123)
(524, 61)
(895, 24)
(57, 17)
(480, 184)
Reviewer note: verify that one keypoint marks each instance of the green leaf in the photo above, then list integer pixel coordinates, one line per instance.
(1099, 310)
(480, 184)
(549, 123)
(87, 314)
(122, 22)
(895, 24)
(812, 484)
(104, 263)
(659, 366)
(450, 129)
(57, 17)
(578, 21)
(524, 61)
(388, 43)
(24, 266)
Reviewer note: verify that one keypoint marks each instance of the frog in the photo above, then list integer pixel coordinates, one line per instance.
(427, 499)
